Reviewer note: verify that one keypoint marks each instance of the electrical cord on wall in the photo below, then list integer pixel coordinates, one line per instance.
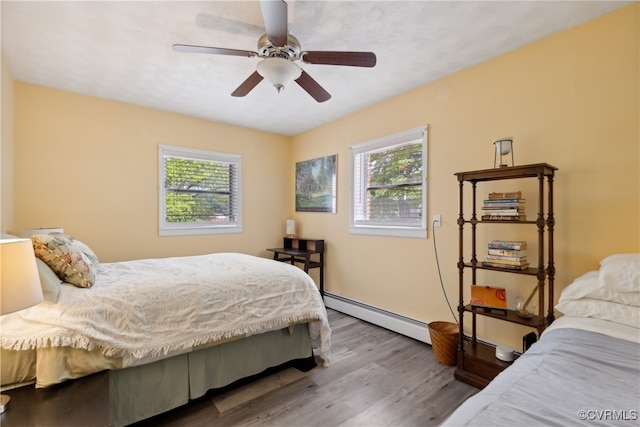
(435, 250)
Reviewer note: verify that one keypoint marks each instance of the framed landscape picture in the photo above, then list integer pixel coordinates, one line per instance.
(316, 185)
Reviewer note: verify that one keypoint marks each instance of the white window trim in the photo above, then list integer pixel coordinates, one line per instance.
(389, 141)
(190, 229)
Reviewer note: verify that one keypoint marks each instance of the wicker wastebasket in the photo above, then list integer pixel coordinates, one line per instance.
(444, 341)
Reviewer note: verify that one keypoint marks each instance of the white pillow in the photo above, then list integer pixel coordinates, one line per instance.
(598, 309)
(621, 272)
(588, 286)
(49, 281)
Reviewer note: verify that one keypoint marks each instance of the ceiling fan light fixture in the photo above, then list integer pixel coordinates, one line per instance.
(278, 71)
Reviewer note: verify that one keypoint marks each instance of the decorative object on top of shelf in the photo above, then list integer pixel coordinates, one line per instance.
(290, 228)
(316, 185)
(504, 147)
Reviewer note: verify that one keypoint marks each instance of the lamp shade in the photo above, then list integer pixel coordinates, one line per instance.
(290, 227)
(28, 232)
(19, 280)
(278, 71)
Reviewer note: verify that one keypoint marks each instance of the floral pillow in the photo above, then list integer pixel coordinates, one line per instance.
(71, 260)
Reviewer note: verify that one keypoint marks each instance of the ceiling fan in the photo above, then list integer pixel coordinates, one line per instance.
(279, 51)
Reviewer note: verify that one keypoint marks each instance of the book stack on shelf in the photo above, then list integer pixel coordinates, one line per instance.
(511, 255)
(504, 207)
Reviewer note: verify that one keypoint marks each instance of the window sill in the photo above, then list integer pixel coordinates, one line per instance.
(198, 231)
(418, 233)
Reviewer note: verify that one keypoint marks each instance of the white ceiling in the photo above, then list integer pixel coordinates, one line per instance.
(121, 50)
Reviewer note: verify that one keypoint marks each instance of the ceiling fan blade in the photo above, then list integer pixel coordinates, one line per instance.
(220, 23)
(247, 85)
(274, 13)
(214, 50)
(354, 59)
(312, 87)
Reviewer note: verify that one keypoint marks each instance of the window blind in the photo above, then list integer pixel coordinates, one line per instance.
(199, 189)
(388, 177)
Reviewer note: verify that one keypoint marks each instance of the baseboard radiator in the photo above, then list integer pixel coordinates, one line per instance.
(394, 322)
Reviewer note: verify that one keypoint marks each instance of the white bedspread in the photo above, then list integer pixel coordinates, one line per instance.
(148, 309)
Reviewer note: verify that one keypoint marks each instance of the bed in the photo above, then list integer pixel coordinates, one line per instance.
(585, 369)
(168, 330)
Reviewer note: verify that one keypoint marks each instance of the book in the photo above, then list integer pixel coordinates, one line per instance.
(488, 203)
(512, 212)
(503, 201)
(506, 195)
(507, 252)
(503, 217)
(505, 266)
(488, 206)
(496, 208)
(510, 245)
(504, 208)
(507, 259)
(499, 211)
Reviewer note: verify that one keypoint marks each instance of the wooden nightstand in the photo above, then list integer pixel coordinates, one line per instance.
(299, 250)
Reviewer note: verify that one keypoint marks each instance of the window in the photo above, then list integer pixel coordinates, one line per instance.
(200, 192)
(388, 178)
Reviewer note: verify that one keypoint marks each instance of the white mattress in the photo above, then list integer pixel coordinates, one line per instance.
(605, 327)
(581, 372)
(145, 310)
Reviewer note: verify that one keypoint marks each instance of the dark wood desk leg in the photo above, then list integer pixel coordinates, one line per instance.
(322, 275)
(307, 258)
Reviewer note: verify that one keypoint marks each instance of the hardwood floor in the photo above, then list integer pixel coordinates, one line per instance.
(376, 378)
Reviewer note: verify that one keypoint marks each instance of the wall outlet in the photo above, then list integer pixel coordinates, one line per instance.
(437, 221)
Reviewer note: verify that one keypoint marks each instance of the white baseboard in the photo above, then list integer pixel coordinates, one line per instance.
(394, 322)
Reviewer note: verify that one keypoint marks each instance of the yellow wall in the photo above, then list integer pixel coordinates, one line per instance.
(91, 166)
(570, 100)
(6, 151)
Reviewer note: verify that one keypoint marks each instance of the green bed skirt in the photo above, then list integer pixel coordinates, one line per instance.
(141, 392)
